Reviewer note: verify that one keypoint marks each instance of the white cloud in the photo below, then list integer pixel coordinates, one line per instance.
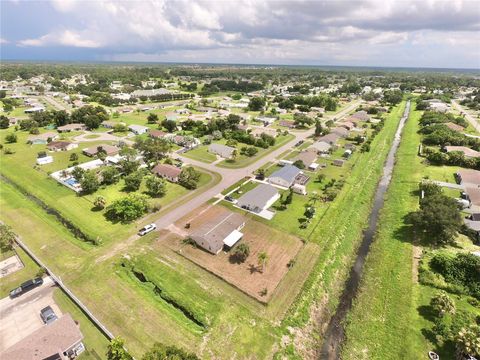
(64, 38)
(249, 29)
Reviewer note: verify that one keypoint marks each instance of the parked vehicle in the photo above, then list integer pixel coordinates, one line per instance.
(48, 315)
(146, 229)
(26, 286)
(299, 143)
(229, 198)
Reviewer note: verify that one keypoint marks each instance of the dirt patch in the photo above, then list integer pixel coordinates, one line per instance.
(248, 276)
(416, 256)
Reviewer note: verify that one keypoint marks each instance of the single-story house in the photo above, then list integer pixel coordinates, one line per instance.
(71, 127)
(223, 151)
(257, 132)
(347, 125)
(157, 134)
(331, 138)
(111, 124)
(44, 160)
(62, 339)
(34, 110)
(361, 115)
(340, 131)
(307, 157)
(167, 171)
(463, 149)
(285, 176)
(138, 129)
(42, 138)
(321, 147)
(299, 189)
(287, 123)
(222, 230)
(259, 198)
(468, 176)
(438, 107)
(171, 116)
(110, 150)
(182, 111)
(473, 194)
(61, 146)
(265, 120)
(454, 127)
(338, 162)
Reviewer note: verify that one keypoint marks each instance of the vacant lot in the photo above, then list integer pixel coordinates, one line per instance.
(249, 276)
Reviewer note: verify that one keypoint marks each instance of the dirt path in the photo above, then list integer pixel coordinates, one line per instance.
(416, 256)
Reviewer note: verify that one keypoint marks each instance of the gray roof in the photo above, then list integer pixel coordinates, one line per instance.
(287, 173)
(222, 150)
(321, 146)
(258, 197)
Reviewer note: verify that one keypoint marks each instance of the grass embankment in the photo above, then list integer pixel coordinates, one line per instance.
(13, 280)
(385, 308)
(338, 232)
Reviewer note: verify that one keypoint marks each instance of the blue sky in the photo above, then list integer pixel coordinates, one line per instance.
(407, 33)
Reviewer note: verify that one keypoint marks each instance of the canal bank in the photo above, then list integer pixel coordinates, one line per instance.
(335, 333)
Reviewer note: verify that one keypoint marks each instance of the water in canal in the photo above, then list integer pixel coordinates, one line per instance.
(335, 333)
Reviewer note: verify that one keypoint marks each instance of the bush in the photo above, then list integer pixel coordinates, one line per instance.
(11, 138)
(127, 209)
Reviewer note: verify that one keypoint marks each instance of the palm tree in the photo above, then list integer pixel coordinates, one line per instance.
(314, 197)
(100, 202)
(263, 259)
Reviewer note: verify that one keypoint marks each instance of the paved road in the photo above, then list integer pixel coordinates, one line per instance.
(57, 105)
(21, 316)
(450, 185)
(468, 116)
(231, 176)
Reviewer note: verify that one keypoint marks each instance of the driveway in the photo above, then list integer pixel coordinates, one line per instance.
(468, 116)
(21, 316)
(102, 136)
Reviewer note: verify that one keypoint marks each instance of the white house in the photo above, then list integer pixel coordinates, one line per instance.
(138, 129)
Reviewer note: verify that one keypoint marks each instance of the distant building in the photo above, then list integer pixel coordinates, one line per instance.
(109, 150)
(61, 146)
(138, 129)
(71, 127)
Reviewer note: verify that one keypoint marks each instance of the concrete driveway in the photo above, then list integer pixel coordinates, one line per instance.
(21, 316)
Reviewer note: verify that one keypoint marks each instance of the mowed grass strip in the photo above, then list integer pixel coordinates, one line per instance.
(384, 310)
(338, 232)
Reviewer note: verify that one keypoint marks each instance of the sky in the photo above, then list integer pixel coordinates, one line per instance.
(388, 33)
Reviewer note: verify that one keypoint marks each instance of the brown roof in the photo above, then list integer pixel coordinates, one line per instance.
(58, 145)
(166, 170)
(109, 150)
(329, 138)
(469, 176)
(454, 126)
(49, 340)
(340, 131)
(157, 133)
(71, 126)
(473, 193)
(287, 123)
(467, 151)
(307, 157)
(361, 115)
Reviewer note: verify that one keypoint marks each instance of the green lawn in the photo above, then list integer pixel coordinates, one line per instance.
(78, 209)
(242, 160)
(201, 153)
(385, 310)
(338, 231)
(13, 280)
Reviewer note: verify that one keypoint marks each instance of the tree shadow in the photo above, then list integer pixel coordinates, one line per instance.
(427, 312)
(235, 259)
(254, 269)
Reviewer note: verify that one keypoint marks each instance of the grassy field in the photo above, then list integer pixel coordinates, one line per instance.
(391, 304)
(338, 234)
(13, 280)
(78, 209)
(200, 153)
(385, 310)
